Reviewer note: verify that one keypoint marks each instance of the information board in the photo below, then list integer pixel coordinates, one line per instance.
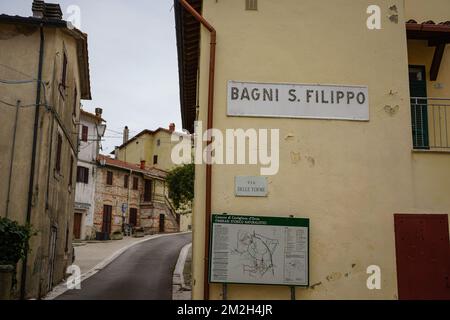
(259, 250)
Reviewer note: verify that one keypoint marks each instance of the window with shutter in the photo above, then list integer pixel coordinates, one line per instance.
(109, 178)
(58, 153)
(84, 133)
(135, 183)
(125, 181)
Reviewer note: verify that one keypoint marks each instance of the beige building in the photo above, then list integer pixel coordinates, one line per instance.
(350, 178)
(130, 194)
(44, 74)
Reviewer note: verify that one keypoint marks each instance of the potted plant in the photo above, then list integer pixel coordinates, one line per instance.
(138, 232)
(117, 235)
(13, 245)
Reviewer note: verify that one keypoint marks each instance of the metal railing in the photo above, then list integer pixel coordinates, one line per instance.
(430, 119)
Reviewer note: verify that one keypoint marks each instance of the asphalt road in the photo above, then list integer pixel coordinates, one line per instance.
(143, 272)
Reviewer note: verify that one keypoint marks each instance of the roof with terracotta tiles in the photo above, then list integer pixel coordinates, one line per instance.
(148, 171)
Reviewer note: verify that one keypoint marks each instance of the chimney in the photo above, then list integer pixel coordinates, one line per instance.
(98, 112)
(143, 164)
(172, 127)
(116, 152)
(44, 10)
(38, 8)
(126, 134)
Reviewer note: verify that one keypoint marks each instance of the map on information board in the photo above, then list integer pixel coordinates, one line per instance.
(259, 250)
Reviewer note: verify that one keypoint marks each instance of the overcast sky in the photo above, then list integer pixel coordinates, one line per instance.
(133, 61)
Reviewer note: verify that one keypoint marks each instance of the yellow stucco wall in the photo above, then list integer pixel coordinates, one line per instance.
(19, 61)
(348, 177)
(145, 147)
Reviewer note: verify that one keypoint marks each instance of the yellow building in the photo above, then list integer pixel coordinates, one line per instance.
(44, 72)
(349, 178)
(154, 147)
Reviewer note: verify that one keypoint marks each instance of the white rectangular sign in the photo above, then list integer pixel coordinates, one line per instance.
(250, 186)
(259, 250)
(298, 101)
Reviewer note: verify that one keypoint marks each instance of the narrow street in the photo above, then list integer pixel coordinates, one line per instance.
(143, 272)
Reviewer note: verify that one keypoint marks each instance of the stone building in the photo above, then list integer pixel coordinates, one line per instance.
(92, 128)
(131, 194)
(155, 148)
(44, 72)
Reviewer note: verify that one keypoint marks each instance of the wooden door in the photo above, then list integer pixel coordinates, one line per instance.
(161, 222)
(107, 216)
(77, 218)
(423, 256)
(133, 217)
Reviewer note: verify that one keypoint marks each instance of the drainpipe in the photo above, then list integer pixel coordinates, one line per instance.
(11, 163)
(212, 62)
(33, 159)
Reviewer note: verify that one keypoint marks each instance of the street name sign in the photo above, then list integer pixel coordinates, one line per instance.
(259, 250)
(317, 101)
(247, 186)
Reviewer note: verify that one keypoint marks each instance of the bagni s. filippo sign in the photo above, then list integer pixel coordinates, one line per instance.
(287, 100)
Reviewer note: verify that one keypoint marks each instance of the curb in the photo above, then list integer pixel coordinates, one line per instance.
(62, 287)
(178, 283)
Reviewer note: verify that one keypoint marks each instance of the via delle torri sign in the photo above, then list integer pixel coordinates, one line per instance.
(259, 250)
(298, 101)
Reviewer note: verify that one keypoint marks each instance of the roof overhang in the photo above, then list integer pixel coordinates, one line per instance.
(188, 46)
(437, 35)
(80, 38)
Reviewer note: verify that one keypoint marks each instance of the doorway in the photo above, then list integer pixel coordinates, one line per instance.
(77, 218)
(423, 256)
(51, 256)
(133, 217)
(161, 222)
(106, 224)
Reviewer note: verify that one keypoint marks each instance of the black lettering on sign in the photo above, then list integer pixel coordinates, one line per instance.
(292, 94)
(350, 96)
(245, 94)
(361, 97)
(255, 94)
(339, 96)
(234, 93)
(308, 95)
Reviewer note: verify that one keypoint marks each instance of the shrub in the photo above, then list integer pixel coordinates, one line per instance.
(13, 241)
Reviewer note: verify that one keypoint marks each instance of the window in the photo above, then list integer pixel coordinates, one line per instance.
(158, 142)
(135, 183)
(71, 171)
(109, 178)
(125, 181)
(58, 153)
(251, 4)
(148, 191)
(64, 71)
(75, 102)
(155, 159)
(84, 133)
(83, 175)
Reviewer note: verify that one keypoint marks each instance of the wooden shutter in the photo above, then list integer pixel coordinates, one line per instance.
(58, 153)
(125, 181)
(135, 183)
(84, 133)
(109, 178)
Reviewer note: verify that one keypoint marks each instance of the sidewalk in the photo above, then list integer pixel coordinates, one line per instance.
(90, 253)
(182, 276)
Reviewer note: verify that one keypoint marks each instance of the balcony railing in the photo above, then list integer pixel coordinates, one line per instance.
(430, 119)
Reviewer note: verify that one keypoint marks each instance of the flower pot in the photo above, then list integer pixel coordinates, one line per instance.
(6, 279)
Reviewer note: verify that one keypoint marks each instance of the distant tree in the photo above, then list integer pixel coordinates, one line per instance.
(181, 185)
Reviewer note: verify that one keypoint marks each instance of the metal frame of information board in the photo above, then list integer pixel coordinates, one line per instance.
(301, 222)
